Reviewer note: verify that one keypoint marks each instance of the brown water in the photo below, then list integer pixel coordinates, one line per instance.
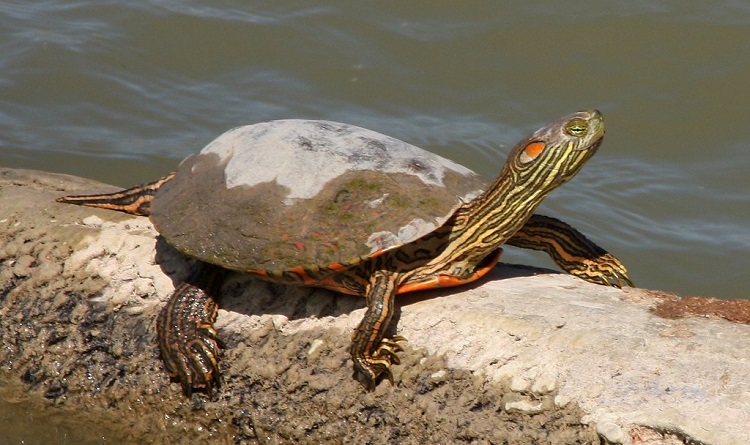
(122, 91)
(30, 421)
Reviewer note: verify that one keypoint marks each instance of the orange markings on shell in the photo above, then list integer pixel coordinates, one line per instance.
(337, 267)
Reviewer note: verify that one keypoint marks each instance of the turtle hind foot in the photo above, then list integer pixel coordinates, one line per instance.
(199, 367)
(189, 344)
(370, 369)
(135, 200)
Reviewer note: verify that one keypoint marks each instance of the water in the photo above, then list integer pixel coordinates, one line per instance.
(34, 422)
(122, 91)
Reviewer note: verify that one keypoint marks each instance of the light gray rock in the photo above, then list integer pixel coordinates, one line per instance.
(80, 288)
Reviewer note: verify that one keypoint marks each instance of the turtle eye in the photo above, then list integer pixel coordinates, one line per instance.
(531, 151)
(577, 127)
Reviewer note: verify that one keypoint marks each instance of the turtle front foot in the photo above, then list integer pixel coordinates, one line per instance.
(370, 367)
(571, 250)
(187, 339)
(604, 269)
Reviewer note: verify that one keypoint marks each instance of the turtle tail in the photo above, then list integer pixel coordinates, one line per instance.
(135, 200)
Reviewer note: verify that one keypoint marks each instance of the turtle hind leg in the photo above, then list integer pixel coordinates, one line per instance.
(571, 251)
(135, 200)
(188, 341)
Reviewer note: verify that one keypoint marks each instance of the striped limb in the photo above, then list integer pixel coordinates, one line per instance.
(135, 200)
(571, 251)
(372, 352)
(188, 342)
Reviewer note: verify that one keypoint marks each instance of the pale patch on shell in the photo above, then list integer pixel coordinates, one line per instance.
(385, 240)
(377, 202)
(314, 152)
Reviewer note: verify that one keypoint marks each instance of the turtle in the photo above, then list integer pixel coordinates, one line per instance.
(332, 205)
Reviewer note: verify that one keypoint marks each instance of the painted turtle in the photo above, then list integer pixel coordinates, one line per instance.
(317, 203)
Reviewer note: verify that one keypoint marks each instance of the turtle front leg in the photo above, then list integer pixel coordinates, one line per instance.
(571, 250)
(373, 353)
(188, 342)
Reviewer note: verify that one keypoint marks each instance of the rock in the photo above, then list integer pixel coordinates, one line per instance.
(525, 356)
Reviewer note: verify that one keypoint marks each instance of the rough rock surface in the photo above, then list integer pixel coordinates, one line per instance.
(523, 357)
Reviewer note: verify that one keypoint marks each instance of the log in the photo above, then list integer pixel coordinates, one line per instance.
(524, 356)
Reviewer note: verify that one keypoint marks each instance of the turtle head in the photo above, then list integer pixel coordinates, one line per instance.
(552, 155)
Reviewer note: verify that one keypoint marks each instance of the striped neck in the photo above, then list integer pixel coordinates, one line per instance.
(490, 220)
(537, 165)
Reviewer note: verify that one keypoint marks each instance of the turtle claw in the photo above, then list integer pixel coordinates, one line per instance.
(610, 271)
(620, 280)
(390, 348)
(369, 368)
(390, 345)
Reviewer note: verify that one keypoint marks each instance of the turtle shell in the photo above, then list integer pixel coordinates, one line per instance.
(299, 193)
